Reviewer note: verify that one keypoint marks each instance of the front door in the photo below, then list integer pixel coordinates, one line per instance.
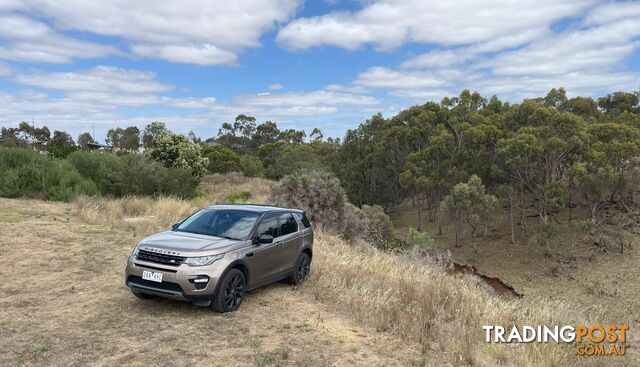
(266, 259)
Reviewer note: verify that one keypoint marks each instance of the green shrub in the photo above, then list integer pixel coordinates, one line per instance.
(98, 166)
(420, 239)
(27, 173)
(138, 175)
(546, 232)
(251, 166)
(134, 175)
(177, 151)
(61, 151)
(221, 159)
(238, 197)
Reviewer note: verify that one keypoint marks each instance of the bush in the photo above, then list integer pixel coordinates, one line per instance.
(221, 159)
(98, 166)
(238, 197)
(420, 239)
(134, 175)
(379, 223)
(251, 166)
(320, 195)
(546, 232)
(61, 151)
(354, 222)
(27, 173)
(177, 151)
(137, 175)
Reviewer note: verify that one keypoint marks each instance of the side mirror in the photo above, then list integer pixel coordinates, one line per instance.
(174, 226)
(264, 238)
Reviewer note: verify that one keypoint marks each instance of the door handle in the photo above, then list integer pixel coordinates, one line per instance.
(250, 254)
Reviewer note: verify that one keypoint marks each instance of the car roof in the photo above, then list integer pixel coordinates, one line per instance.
(256, 208)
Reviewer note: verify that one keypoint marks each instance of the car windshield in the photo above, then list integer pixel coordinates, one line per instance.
(231, 224)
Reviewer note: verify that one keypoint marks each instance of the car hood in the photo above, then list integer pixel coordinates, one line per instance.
(189, 244)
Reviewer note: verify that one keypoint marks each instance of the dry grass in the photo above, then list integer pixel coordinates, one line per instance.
(217, 188)
(602, 283)
(63, 302)
(419, 302)
(360, 306)
(138, 214)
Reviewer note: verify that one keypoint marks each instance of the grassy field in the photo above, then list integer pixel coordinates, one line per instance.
(63, 301)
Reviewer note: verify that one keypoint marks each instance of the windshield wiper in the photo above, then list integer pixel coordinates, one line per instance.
(226, 237)
(208, 234)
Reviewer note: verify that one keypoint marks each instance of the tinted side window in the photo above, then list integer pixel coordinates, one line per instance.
(288, 224)
(268, 225)
(303, 218)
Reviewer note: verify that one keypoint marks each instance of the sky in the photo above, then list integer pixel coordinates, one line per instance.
(194, 64)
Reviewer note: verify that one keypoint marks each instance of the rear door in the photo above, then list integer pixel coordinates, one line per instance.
(291, 239)
(266, 259)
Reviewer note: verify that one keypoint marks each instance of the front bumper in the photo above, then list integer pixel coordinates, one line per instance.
(177, 281)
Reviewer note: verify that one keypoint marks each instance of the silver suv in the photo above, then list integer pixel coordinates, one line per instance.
(217, 254)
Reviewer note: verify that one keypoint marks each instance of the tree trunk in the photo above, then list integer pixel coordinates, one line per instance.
(439, 221)
(419, 210)
(457, 229)
(511, 220)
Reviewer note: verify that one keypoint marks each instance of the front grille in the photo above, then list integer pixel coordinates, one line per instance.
(165, 286)
(159, 258)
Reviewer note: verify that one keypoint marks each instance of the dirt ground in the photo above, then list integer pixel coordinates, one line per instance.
(63, 302)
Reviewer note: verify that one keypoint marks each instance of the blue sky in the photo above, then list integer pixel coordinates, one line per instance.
(194, 64)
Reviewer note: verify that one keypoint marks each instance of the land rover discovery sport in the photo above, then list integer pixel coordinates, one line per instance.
(220, 252)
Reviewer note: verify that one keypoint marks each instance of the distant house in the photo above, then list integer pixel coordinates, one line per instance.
(39, 146)
(100, 147)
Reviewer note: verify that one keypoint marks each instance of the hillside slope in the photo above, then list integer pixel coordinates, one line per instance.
(64, 303)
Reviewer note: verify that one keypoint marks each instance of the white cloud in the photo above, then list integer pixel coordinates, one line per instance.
(613, 11)
(5, 69)
(29, 40)
(589, 50)
(588, 57)
(317, 99)
(276, 86)
(195, 31)
(380, 77)
(387, 24)
(99, 79)
(109, 96)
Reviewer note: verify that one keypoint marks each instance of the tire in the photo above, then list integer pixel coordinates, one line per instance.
(141, 295)
(231, 292)
(301, 271)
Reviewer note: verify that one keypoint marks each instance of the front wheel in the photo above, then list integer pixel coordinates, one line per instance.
(302, 269)
(231, 292)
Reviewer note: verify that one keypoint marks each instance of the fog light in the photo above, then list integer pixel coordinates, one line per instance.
(200, 282)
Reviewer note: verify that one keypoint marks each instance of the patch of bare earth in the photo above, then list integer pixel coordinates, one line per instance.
(63, 302)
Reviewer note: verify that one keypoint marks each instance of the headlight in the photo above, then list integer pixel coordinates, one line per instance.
(203, 260)
(134, 252)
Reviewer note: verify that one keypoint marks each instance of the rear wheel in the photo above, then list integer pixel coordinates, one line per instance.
(302, 269)
(231, 292)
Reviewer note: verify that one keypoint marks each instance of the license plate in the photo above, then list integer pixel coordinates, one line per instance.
(152, 276)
